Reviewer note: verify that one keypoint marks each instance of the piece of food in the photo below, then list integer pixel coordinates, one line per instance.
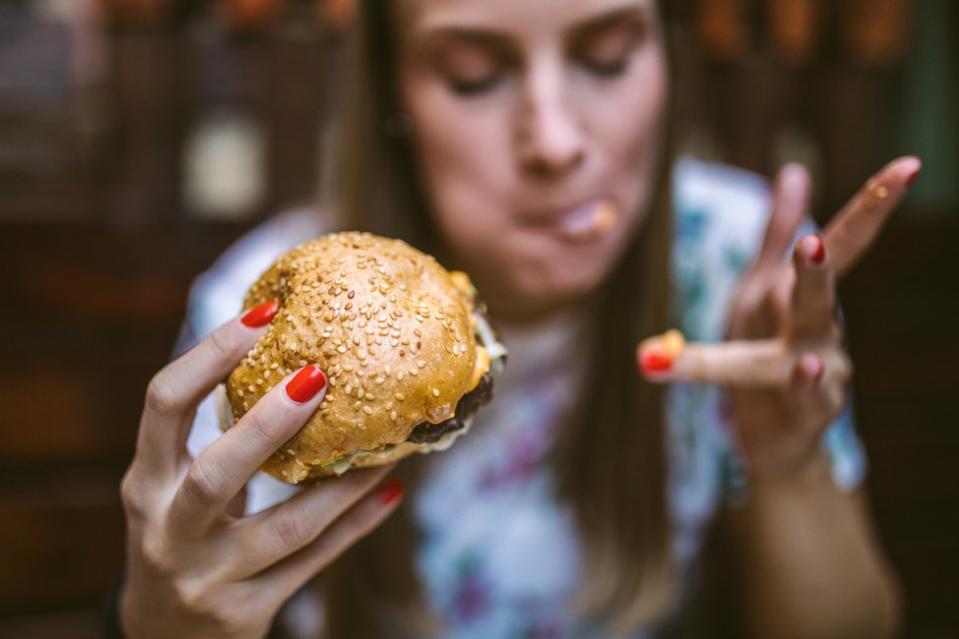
(405, 345)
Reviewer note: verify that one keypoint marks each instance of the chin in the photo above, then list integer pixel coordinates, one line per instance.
(542, 291)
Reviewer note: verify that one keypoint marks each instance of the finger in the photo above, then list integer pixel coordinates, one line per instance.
(285, 528)
(791, 197)
(287, 576)
(814, 401)
(741, 363)
(856, 227)
(174, 392)
(813, 294)
(221, 471)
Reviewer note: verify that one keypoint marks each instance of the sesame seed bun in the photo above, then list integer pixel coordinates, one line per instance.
(393, 330)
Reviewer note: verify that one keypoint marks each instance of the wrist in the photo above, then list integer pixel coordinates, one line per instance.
(811, 469)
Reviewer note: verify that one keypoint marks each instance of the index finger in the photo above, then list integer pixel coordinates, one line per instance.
(856, 226)
(741, 363)
(791, 194)
(226, 465)
(174, 392)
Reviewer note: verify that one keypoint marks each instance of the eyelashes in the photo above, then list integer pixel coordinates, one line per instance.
(474, 86)
(478, 86)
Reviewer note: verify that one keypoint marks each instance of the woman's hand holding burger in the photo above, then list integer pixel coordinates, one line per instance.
(196, 567)
(785, 363)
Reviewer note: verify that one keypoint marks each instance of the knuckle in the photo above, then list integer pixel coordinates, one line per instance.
(292, 532)
(220, 345)
(259, 425)
(160, 395)
(199, 485)
(131, 495)
(221, 611)
(155, 556)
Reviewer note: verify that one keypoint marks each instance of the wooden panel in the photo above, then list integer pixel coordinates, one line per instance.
(92, 313)
(62, 543)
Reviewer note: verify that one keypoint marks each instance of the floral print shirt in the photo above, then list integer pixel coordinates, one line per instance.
(499, 556)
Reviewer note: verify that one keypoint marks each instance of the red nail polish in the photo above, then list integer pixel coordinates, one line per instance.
(912, 178)
(306, 384)
(391, 491)
(820, 369)
(655, 360)
(261, 315)
(818, 255)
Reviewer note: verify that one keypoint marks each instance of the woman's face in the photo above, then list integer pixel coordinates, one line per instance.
(536, 125)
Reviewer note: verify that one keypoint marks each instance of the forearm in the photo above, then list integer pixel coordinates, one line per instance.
(811, 564)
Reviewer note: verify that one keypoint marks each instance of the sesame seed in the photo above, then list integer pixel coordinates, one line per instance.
(369, 397)
(341, 350)
(436, 392)
(421, 363)
(400, 396)
(367, 410)
(393, 415)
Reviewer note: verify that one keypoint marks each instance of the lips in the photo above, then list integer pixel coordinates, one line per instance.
(577, 224)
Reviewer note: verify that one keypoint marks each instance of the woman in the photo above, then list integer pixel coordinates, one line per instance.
(526, 142)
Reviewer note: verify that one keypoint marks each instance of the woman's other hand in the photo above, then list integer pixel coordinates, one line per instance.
(785, 363)
(196, 567)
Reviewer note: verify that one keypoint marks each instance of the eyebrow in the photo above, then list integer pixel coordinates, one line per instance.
(501, 40)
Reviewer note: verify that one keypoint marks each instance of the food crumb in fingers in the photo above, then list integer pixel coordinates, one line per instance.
(657, 354)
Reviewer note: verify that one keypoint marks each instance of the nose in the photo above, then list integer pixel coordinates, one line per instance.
(550, 139)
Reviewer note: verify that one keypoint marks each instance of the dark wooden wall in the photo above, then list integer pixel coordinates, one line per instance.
(98, 248)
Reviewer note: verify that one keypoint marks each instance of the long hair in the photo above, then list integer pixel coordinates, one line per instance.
(608, 459)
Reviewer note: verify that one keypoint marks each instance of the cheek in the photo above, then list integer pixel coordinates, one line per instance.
(463, 160)
(630, 122)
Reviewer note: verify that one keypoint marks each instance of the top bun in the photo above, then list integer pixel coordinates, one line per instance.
(389, 326)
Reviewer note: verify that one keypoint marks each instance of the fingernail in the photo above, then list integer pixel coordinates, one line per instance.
(656, 355)
(820, 369)
(913, 176)
(655, 359)
(814, 368)
(261, 315)
(818, 254)
(391, 492)
(306, 384)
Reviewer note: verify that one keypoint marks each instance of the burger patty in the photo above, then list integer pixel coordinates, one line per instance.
(427, 433)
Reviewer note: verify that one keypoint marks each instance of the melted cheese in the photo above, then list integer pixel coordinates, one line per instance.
(479, 368)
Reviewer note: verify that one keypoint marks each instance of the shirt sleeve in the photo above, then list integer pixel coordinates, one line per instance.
(721, 216)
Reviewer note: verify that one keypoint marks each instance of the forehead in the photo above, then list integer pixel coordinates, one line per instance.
(518, 18)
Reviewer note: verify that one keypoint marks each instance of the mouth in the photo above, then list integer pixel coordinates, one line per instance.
(577, 224)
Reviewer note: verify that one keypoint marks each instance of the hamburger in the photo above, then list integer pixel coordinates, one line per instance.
(405, 344)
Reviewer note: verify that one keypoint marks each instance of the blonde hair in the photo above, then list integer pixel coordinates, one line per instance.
(609, 458)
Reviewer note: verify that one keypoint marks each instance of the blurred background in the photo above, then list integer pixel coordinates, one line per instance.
(138, 138)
